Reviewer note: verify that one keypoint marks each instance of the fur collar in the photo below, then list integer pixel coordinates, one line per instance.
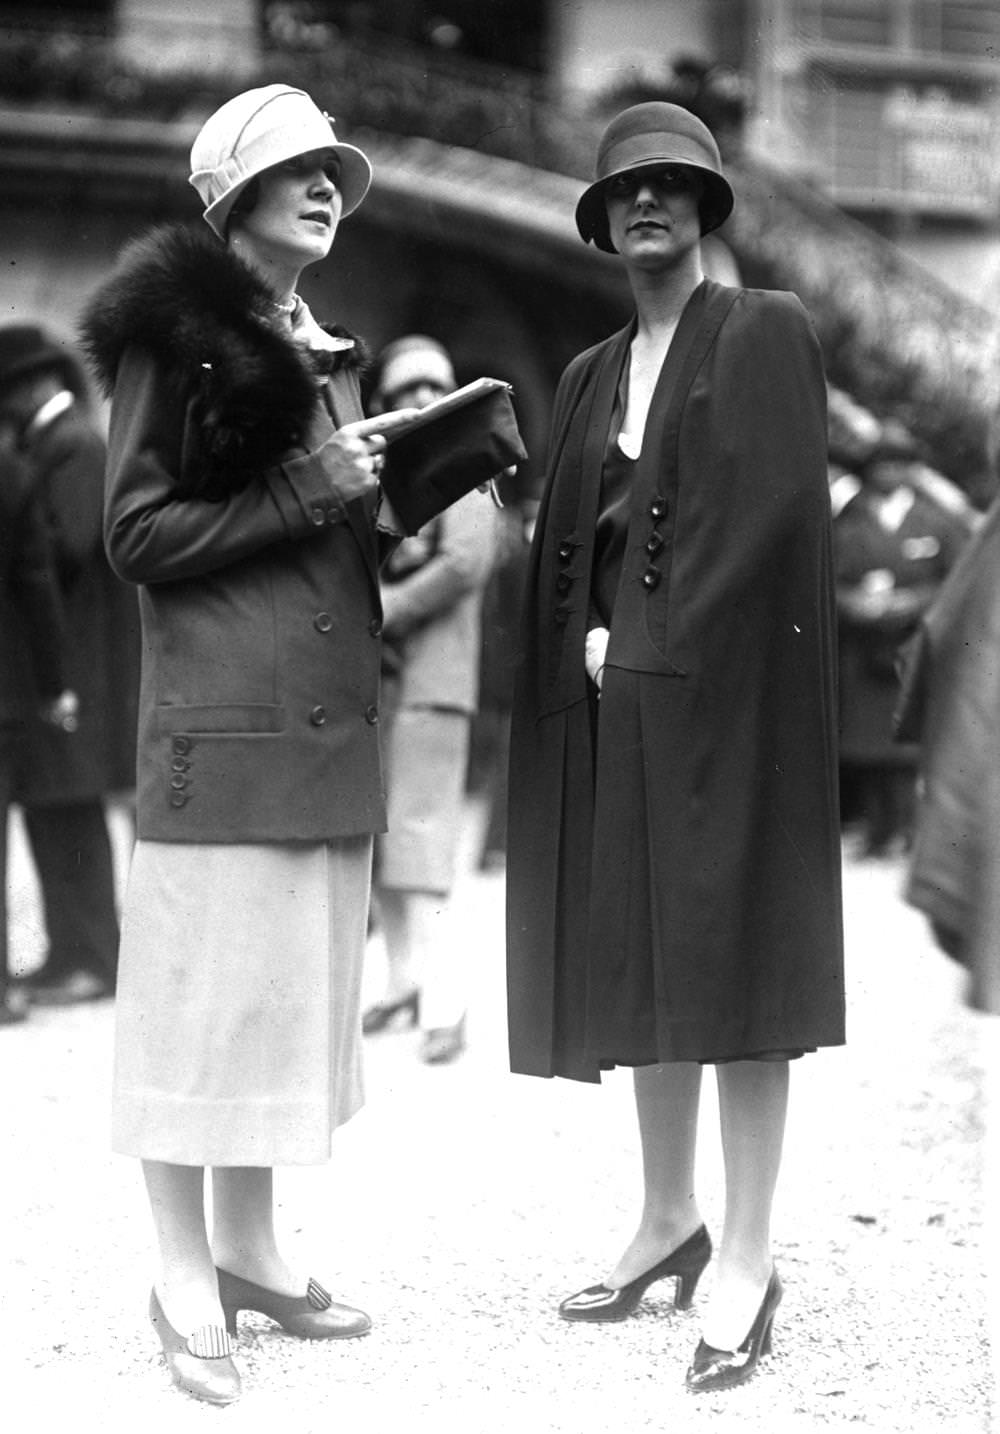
(197, 308)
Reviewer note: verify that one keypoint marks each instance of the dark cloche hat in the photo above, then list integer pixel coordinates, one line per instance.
(26, 349)
(654, 133)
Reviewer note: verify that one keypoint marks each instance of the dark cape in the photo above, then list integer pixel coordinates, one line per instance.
(719, 689)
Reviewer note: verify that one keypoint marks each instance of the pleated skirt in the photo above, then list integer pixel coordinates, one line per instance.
(238, 1036)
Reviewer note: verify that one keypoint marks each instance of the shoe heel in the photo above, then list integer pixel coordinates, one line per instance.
(231, 1321)
(765, 1344)
(688, 1277)
(686, 1285)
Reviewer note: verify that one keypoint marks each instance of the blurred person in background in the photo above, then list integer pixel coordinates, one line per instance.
(32, 630)
(432, 597)
(950, 707)
(673, 869)
(897, 535)
(500, 646)
(63, 780)
(243, 500)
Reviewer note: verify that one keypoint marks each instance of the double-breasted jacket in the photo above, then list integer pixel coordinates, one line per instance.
(258, 586)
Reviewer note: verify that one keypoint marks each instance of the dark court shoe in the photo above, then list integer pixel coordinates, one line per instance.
(443, 1044)
(714, 1369)
(202, 1364)
(384, 1013)
(314, 1315)
(600, 1303)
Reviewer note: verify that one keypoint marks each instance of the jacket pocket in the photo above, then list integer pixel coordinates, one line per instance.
(223, 718)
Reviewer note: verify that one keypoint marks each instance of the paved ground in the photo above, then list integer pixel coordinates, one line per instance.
(463, 1203)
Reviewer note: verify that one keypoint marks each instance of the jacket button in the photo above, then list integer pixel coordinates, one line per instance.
(375, 627)
(658, 507)
(318, 515)
(178, 782)
(651, 578)
(322, 622)
(181, 745)
(561, 616)
(178, 799)
(317, 716)
(564, 582)
(178, 764)
(565, 552)
(371, 715)
(654, 543)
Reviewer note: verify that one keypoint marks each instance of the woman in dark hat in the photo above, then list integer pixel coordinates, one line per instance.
(674, 858)
(243, 500)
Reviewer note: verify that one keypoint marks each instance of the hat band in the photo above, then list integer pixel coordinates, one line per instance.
(641, 149)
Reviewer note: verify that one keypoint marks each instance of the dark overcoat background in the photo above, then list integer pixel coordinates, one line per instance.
(102, 618)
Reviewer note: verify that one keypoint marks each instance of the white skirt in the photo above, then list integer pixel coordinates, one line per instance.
(238, 1037)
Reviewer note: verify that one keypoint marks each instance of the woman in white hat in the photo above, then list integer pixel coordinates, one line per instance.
(674, 855)
(243, 500)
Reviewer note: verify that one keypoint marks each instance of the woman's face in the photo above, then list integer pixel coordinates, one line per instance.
(653, 214)
(297, 211)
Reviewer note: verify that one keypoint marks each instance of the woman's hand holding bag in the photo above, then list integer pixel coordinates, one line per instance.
(353, 455)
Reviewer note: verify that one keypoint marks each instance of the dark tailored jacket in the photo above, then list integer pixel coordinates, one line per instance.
(30, 613)
(67, 462)
(954, 876)
(259, 587)
(725, 611)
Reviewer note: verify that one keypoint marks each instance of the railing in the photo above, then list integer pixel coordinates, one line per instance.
(900, 343)
(367, 83)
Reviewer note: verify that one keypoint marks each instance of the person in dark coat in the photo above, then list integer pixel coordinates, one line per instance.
(674, 852)
(951, 708)
(243, 500)
(63, 782)
(31, 621)
(895, 542)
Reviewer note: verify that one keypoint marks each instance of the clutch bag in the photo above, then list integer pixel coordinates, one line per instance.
(455, 444)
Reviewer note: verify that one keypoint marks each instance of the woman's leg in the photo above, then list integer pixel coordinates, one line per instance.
(409, 924)
(666, 1099)
(753, 1101)
(186, 1284)
(243, 1236)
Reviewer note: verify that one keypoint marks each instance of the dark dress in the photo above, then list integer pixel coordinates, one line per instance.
(674, 853)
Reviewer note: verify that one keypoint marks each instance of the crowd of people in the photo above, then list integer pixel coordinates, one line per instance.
(297, 740)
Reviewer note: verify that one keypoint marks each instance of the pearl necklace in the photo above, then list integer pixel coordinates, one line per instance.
(285, 308)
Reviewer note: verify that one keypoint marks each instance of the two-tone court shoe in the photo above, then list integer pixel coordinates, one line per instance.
(314, 1315)
(201, 1364)
(687, 1264)
(385, 1013)
(713, 1369)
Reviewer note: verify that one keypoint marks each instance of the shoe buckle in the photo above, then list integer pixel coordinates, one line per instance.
(210, 1342)
(317, 1295)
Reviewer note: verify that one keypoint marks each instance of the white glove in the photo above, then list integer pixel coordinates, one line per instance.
(594, 653)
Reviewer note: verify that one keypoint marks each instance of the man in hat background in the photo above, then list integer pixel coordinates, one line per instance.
(432, 597)
(898, 529)
(62, 779)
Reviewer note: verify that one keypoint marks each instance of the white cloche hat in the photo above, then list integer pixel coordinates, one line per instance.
(258, 129)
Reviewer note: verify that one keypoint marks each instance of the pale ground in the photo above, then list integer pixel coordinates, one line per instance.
(463, 1203)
